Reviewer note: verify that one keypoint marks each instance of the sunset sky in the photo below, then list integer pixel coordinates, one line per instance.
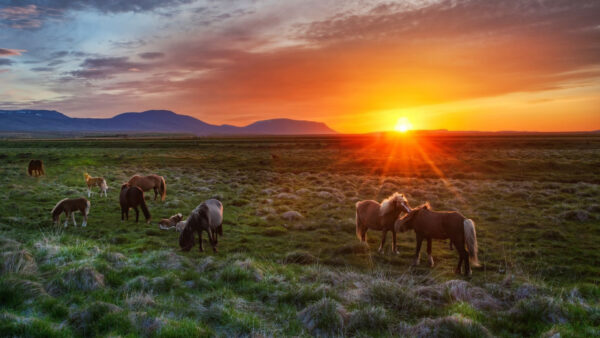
(358, 66)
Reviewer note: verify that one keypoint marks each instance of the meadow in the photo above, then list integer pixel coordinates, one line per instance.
(289, 263)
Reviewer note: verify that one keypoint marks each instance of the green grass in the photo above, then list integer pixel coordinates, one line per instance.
(289, 262)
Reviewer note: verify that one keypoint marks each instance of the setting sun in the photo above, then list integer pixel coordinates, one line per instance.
(403, 125)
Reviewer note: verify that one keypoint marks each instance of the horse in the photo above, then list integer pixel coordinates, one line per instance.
(171, 222)
(372, 215)
(150, 182)
(452, 225)
(208, 216)
(36, 168)
(132, 197)
(69, 206)
(99, 182)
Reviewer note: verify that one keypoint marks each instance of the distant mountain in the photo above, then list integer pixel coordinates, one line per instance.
(151, 121)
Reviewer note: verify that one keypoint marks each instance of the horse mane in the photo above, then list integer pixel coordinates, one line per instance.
(57, 204)
(408, 217)
(425, 205)
(387, 203)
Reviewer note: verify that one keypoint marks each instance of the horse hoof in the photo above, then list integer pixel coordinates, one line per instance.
(415, 262)
(431, 262)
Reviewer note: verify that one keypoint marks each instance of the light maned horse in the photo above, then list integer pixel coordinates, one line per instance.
(36, 168)
(99, 182)
(155, 182)
(372, 215)
(429, 224)
(208, 216)
(132, 197)
(171, 222)
(69, 206)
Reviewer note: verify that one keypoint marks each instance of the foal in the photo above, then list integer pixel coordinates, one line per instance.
(99, 182)
(69, 206)
(171, 222)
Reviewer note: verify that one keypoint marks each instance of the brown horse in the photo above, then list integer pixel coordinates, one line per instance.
(430, 225)
(132, 197)
(171, 222)
(99, 182)
(150, 182)
(372, 215)
(69, 206)
(35, 168)
(208, 216)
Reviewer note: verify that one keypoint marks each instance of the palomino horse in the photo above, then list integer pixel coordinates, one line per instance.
(208, 217)
(132, 197)
(99, 182)
(35, 168)
(430, 225)
(372, 215)
(150, 182)
(171, 222)
(69, 206)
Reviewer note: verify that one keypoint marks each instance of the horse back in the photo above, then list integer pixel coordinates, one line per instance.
(439, 224)
(368, 214)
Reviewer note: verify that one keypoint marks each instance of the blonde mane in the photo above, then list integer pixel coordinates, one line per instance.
(57, 204)
(388, 203)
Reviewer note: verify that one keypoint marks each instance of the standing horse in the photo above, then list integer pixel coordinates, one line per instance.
(35, 168)
(372, 215)
(132, 197)
(150, 182)
(69, 206)
(208, 217)
(430, 225)
(99, 182)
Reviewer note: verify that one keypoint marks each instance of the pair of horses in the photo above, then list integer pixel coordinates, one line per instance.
(426, 223)
(132, 194)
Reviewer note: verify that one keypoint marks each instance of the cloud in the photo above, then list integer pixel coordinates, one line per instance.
(10, 52)
(6, 62)
(21, 17)
(113, 6)
(151, 55)
(106, 67)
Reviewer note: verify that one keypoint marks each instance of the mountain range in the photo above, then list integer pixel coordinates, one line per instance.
(151, 121)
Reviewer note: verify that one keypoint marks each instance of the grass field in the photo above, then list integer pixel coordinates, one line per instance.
(289, 262)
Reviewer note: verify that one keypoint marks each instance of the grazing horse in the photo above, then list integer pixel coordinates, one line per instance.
(372, 215)
(208, 216)
(35, 168)
(99, 182)
(132, 197)
(150, 182)
(430, 225)
(69, 206)
(170, 223)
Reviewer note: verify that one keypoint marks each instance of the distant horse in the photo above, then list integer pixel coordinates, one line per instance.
(208, 217)
(372, 215)
(132, 197)
(430, 225)
(150, 182)
(170, 223)
(36, 168)
(99, 182)
(69, 206)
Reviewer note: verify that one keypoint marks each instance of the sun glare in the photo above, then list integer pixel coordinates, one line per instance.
(403, 125)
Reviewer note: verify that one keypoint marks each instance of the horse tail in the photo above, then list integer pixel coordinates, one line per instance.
(144, 207)
(163, 188)
(471, 240)
(359, 228)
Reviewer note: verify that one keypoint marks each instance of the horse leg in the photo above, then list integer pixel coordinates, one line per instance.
(465, 255)
(213, 240)
(84, 219)
(200, 241)
(363, 235)
(418, 250)
(460, 258)
(67, 219)
(384, 235)
(155, 193)
(429, 257)
(394, 247)
(137, 214)
(73, 217)
(89, 191)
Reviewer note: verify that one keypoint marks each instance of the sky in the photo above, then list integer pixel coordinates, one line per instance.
(358, 66)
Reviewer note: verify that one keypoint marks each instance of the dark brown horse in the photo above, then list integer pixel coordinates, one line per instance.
(35, 168)
(208, 216)
(430, 225)
(69, 206)
(132, 197)
(155, 182)
(372, 215)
